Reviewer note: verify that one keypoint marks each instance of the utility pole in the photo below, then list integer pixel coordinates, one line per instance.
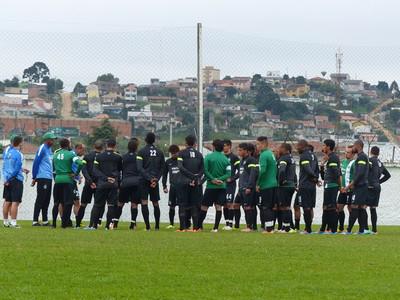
(200, 85)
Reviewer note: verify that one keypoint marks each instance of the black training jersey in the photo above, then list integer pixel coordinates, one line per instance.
(331, 172)
(287, 171)
(361, 170)
(150, 162)
(172, 170)
(235, 168)
(309, 174)
(87, 169)
(107, 164)
(248, 173)
(377, 173)
(191, 164)
(129, 165)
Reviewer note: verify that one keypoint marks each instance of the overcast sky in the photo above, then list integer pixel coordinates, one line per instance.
(355, 25)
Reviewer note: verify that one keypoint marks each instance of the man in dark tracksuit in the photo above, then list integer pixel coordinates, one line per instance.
(247, 185)
(331, 174)
(231, 207)
(191, 166)
(107, 173)
(308, 179)
(151, 164)
(377, 175)
(129, 187)
(175, 189)
(287, 181)
(89, 189)
(359, 185)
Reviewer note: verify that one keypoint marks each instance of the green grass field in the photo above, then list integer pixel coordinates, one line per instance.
(43, 263)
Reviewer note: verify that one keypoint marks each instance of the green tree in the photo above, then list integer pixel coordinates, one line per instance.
(103, 132)
(256, 80)
(230, 92)
(394, 116)
(286, 77)
(108, 78)
(54, 85)
(14, 82)
(79, 88)
(383, 87)
(227, 77)
(38, 72)
(300, 80)
(267, 99)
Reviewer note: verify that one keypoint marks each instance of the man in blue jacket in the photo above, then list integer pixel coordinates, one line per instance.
(13, 178)
(42, 177)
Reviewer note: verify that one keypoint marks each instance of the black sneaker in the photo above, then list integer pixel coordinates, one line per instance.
(46, 224)
(37, 224)
(132, 226)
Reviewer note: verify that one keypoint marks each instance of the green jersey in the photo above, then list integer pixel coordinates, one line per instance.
(62, 162)
(217, 166)
(347, 168)
(267, 175)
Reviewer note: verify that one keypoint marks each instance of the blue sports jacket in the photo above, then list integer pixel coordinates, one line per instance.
(43, 164)
(12, 164)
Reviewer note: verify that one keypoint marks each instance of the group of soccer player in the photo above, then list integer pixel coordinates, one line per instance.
(261, 181)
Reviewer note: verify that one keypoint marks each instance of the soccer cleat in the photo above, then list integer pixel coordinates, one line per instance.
(246, 230)
(170, 227)
(292, 231)
(89, 228)
(346, 233)
(6, 225)
(181, 230)
(268, 232)
(45, 224)
(36, 224)
(16, 226)
(214, 230)
(305, 232)
(367, 231)
(132, 226)
(227, 228)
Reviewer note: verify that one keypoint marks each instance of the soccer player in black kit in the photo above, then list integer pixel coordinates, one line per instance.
(151, 164)
(191, 166)
(231, 208)
(359, 185)
(107, 172)
(89, 189)
(129, 187)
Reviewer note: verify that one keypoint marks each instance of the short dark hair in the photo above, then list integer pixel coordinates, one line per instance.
(287, 147)
(65, 143)
(375, 150)
(173, 149)
(133, 145)
(190, 140)
(228, 142)
(150, 138)
(218, 145)
(251, 148)
(244, 146)
(262, 139)
(359, 143)
(98, 145)
(111, 143)
(17, 140)
(330, 143)
(78, 145)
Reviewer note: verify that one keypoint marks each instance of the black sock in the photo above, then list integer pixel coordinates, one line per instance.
(134, 213)
(237, 214)
(66, 216)
(354, 215)
(194, 212)
(297, 224)
(118, 213)
(171, 215)
(280, 220)
(94, 216)
(333, 220)
(341, 218)
(247, 218)
(111, 213)
(291, 219)
(218, 216)
(269, 216)
(307, 220)
(182, 218)
(324, 220)
(202, 217)
(145, 213)
(363, 219)
(231, 216)
(226, 215)
(374, 219)
(285, 220)
(157, 214)
(55, 214)
(262, 217)
(101, 213)
(80, 215)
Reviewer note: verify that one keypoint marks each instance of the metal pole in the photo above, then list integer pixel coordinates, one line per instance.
(170, 132)
(200, 84)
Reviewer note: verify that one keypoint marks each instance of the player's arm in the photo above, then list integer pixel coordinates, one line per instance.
(386, 175)
(360, 169)
(183, 170)
(236, 170)
(262, 170)
(36, 162)
(17, 165)
(228, 172)
(305, 163)
(282, 172)
(253, 174)
(207, 172)
(139, 165)
(97, 173)
(162, 166)
(85, 171)
(165, 177)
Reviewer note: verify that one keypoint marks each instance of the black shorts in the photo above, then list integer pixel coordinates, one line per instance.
(268, 197)
(214, 196)
(103, 196)
(129, 194)
(87, 194)
(330, 197)
(307, 197)
(230, 192)
(13, 191)
(77, 196)
(360, 195)
(284, 196)
(148, 192)
(63, 193)
(373, 197)
(173, 196)
(190, 195)
(245, 199)
(344, 198)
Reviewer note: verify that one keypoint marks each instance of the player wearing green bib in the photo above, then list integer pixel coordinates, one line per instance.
(267, 182)
(64, 183)
(347, 168)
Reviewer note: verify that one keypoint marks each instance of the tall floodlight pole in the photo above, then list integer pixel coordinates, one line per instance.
(200, 85)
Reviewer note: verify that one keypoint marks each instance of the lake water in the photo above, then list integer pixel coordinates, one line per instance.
(388, 212)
